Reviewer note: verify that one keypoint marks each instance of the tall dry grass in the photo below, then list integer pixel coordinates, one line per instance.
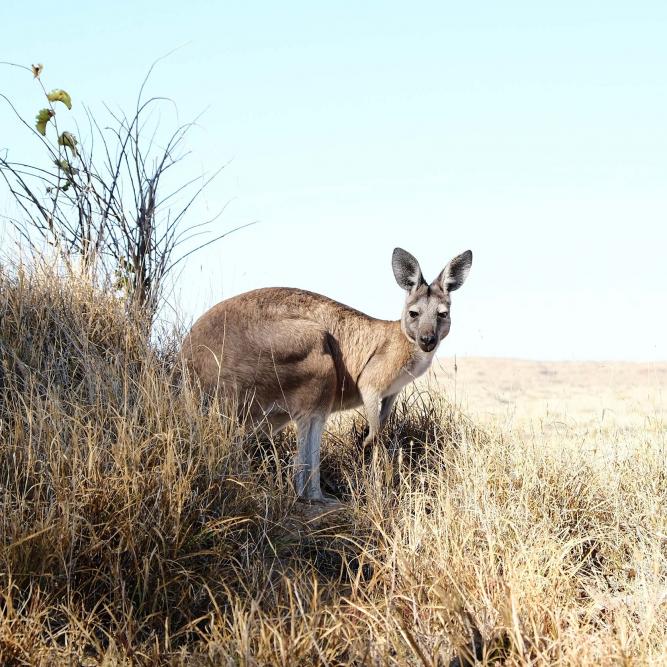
(141, 525)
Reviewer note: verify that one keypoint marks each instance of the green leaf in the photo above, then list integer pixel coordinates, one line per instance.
(43, 117)
(60, 96)
(66, 167)
(68, 140)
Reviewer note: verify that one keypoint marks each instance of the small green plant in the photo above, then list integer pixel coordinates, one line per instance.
(108, 210)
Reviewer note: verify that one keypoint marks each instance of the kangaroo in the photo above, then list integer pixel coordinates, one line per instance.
(292, 355)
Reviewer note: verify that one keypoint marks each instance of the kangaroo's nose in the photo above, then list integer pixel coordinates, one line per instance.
(427, 339)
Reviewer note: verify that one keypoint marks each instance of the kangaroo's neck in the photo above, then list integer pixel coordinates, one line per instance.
(378, 342)
(374, 355)
(391, 360)
(407, 356)
(397, 345)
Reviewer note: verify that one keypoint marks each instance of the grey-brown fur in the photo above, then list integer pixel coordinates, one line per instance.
(290, 354)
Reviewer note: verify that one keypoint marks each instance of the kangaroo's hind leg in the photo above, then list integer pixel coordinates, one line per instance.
(307, 460)
(313, 403)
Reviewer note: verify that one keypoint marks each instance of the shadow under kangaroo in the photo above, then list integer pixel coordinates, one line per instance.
(294, 355)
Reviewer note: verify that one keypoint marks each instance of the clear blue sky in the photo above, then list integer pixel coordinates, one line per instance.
(533, 133)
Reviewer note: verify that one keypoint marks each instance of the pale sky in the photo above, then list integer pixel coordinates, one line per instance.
(533, 133)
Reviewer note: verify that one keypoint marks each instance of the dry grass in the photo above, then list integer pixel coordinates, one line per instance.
(139, 526)
(592, 395)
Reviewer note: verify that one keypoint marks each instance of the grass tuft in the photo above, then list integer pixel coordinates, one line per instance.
(141, 526)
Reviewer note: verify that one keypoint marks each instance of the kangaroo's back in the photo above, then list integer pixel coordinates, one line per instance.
(267, 341)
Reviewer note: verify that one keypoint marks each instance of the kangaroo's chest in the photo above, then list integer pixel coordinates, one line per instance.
(415, 367)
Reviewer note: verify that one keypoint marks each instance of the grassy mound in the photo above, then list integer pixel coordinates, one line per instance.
(140, 526)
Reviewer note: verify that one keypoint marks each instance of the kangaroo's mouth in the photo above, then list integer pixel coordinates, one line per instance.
(427, 347)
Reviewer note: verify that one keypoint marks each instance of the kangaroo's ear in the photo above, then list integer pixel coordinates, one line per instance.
(406, 269)
(456, 272)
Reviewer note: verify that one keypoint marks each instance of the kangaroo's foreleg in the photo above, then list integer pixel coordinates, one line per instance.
(385, 409)
(371, 402)
(377, 413)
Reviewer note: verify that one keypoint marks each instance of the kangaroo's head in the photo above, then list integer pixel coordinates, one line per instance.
(426, 319)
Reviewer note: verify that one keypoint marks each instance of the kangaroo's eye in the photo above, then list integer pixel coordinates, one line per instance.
(413, 314)
(444, 314)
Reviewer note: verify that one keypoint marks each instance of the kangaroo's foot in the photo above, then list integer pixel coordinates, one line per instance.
(318, 497)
